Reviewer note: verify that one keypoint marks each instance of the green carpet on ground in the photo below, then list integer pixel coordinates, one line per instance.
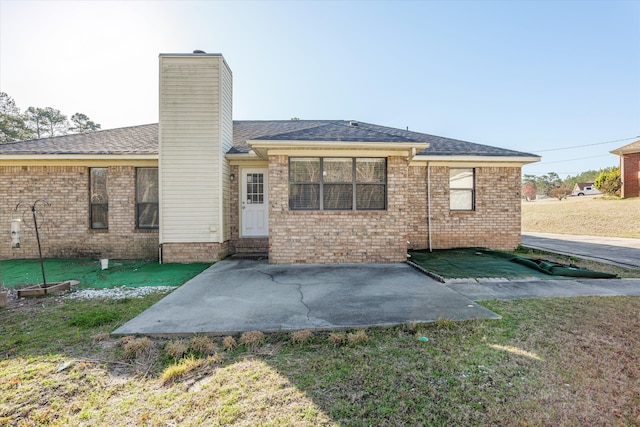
(130, 273)
(475, 263)
(483, 263)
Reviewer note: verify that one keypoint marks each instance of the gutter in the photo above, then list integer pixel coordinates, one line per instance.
(429, 205)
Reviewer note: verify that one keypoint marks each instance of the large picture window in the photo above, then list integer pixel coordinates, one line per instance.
(332, 183)
(98, 199)
(461, 189)
(147, 197)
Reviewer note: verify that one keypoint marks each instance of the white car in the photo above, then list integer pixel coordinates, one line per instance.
(586, 191)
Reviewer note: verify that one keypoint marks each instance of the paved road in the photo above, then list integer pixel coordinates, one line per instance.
(612, 250)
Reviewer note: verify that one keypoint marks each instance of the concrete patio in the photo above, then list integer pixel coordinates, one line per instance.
(235, 296)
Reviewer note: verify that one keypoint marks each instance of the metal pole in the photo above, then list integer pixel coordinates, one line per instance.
(35, 224)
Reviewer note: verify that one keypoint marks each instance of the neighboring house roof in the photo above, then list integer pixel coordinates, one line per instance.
(634, 147)
(144, 139)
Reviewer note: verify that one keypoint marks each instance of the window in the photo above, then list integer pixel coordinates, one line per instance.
(147, 197)
(337, 183)
(99, 199)
(461, 189)
(255, 188)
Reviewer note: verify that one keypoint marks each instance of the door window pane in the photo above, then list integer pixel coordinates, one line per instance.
(255, 188)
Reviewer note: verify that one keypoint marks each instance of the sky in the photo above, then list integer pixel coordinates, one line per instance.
(532, 76)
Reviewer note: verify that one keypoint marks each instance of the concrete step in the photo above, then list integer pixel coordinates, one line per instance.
(252, 245)
(250, 255)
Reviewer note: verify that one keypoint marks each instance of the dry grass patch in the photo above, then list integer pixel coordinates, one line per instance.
(301, 337)
(179, 370)
(229, 343)
(176, 348)
(583, 216)
(252, 339)
(337, 338)
(137, 348)
(202, 344)
(358, 337)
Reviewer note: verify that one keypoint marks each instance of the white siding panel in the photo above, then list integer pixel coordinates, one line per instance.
(191, 153)
(226, 138)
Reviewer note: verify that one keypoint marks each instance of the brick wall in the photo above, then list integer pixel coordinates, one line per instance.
(65, 232)
(234, 207)
(337, 236)
(334, 236)
(194, 252)
(631, 178)
(494, 224)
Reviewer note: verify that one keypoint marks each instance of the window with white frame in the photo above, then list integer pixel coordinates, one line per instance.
(461, 189)
(98, 199)
(147, 198)
(337, 183)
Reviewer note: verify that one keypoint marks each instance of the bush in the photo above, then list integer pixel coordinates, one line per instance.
(609, 181)
(560, 192)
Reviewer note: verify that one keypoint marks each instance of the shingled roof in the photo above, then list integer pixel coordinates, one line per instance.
(634, 147)
(144, 139)
(128, 140)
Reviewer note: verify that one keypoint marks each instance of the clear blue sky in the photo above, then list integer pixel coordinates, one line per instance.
(525, 75)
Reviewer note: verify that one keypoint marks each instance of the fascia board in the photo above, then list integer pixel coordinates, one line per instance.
(77, 159)
(521, 160)
(264, 147)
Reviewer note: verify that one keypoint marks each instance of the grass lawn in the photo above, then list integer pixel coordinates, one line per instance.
(573, 361)
(589, 216)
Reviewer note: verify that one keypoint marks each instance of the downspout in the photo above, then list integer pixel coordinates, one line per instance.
(429, 204)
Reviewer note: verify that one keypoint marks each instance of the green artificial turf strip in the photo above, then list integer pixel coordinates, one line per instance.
(129, 273)
(463, 263)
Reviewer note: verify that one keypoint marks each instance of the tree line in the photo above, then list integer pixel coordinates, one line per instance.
(37, 122)
(606, 180)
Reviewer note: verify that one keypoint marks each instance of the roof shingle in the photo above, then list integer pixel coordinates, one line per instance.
(144, 139)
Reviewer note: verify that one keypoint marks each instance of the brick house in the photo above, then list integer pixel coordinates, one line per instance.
(199, 186)
(629, 169)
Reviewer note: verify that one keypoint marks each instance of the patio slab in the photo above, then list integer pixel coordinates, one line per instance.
(235, 296)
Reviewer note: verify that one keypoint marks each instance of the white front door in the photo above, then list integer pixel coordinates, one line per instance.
(254, 206)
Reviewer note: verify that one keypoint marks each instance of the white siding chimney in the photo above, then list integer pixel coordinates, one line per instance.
(196, 130)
